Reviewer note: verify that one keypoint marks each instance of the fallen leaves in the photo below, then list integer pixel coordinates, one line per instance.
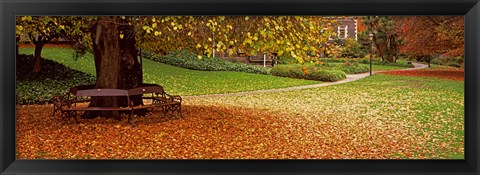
(348, 121)
(451, 74)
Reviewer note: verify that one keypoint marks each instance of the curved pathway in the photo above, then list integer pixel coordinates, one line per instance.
(350, 78)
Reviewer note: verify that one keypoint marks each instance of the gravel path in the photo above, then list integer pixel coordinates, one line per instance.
(350, 78)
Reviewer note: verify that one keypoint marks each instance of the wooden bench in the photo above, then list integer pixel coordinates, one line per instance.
(71, 108)
(67, 99)
(159, 98)
(67, 104)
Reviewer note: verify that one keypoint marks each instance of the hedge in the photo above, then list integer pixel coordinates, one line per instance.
(188, 60)
(354, 68)
(308, 73)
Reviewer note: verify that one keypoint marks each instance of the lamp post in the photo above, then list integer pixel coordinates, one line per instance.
(370, 35)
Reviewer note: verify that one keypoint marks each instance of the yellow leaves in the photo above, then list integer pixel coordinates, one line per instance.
(148, 29)
(18, 27)
(121, 35)
(199, 57)
(26, 18)
(189, 33)
(157, 33)
(247, 41)
(198, 46)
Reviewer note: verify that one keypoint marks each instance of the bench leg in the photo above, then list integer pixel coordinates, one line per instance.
(180, 110)
(173, 110)
(54, 110)
(75, 117)
(165, 108)
(130, 118)
(70, 114)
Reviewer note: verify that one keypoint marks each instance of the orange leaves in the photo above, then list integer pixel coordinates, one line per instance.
(452, 74)
(445, 35)
(220, 130)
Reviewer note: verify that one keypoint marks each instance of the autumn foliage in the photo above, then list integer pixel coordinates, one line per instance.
(451, 74)
(206, 132)
(427, 35)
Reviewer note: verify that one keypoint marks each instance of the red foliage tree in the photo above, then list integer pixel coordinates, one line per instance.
(424, 36)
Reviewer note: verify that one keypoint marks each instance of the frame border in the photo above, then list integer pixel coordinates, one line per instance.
(10, 8)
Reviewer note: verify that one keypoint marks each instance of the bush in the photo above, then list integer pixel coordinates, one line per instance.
(437, 61)
(454, 62)
(354, 68)
(308, 73)
(54, 79)
(352, 49)
(284, 59)
(189, 60)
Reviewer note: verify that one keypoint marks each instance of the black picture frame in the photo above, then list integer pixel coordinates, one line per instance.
(10, 8)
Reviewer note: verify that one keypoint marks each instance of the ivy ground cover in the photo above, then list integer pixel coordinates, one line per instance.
(378, 117)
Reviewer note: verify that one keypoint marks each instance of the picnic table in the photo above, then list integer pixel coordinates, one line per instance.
(68, 104)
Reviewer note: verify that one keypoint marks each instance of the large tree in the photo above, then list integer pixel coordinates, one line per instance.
(114, 42)
(425, 36)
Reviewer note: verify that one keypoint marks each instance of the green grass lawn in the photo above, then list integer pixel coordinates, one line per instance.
(179, 80)
(402, 117)
(383, 67)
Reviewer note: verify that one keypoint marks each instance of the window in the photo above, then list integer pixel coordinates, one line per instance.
(342, 32)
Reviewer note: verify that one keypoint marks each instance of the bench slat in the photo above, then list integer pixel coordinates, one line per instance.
(98, 109)
(102, 92)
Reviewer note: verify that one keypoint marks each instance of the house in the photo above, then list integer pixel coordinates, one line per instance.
(347, 27)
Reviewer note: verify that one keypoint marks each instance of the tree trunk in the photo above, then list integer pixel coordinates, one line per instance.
(17, 62)
(116, 64)
(16, 46)
(38, 56)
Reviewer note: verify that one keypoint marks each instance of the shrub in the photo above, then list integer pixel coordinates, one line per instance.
(308, 72)
(284, 59)
(327, 75)
(189, 60)
(55, 79)
(352, 49)
(454, 64)
(354, 68)
(437, 61)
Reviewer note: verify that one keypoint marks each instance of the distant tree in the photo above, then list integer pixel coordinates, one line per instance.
(385, 39)
(40, 30)
(425, 36)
